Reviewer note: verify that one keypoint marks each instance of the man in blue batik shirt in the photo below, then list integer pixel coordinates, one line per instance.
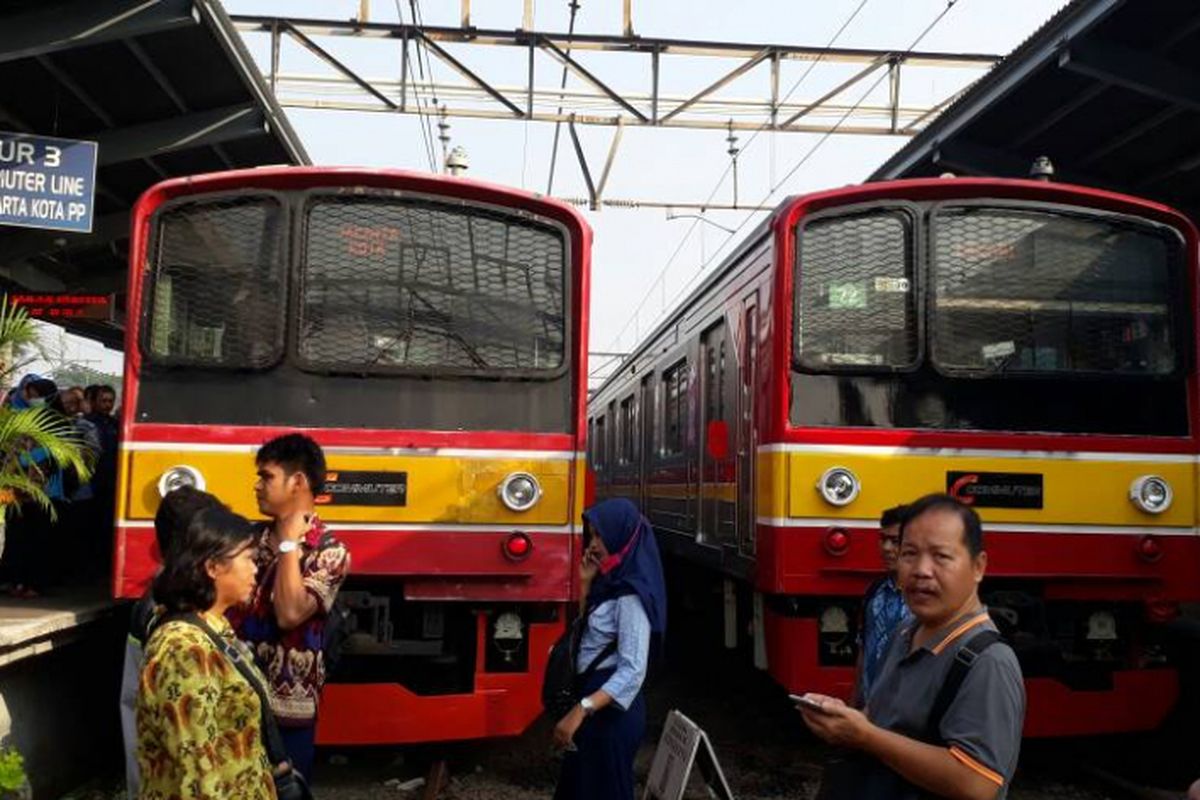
(883, 608)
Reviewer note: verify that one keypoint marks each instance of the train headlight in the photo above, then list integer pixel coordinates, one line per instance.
(520, 491)
(839, 486)
(179, 476)
(1151, 494)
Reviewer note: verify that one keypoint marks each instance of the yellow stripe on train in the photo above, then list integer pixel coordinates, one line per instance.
(1081, 492)
(439, 488)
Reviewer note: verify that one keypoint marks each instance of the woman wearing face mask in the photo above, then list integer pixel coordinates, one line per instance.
(625, 605)
(198, 718)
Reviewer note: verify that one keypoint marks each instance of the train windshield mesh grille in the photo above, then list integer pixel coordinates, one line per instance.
(1023, 291)
(409, 285)
(855, 293)
(216, 291)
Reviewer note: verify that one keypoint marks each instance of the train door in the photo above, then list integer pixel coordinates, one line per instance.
(747, 438)
(718, 435)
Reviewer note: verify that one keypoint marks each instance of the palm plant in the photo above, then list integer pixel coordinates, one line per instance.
(24, 432)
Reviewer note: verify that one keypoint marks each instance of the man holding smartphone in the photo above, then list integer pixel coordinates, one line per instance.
(946, 713)
(301, 566)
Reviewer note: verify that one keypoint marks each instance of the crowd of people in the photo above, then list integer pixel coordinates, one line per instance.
(226, 655)
(939, 701)
(225, 662)
(44, 546)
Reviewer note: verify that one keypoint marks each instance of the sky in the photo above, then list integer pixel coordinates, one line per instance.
(634, 277)
(643, 263)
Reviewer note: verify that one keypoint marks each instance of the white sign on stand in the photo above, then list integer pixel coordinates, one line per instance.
(684, 745)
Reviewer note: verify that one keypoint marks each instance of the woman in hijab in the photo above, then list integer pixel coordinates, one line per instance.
(625, 605)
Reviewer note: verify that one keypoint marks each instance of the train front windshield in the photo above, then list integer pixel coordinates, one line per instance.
(306, 292)
(993, 317)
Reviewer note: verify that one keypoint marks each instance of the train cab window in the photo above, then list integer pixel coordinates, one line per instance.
(675, 391)
(856, 295)
(216, 278)
(411, 285)
(1033, 291)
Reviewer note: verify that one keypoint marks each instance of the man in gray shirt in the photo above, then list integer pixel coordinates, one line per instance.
(915, 738)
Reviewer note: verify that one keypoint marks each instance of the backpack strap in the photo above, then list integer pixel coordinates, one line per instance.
(271, 737)
(964, 659)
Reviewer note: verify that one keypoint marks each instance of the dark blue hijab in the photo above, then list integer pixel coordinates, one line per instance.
(628, 536)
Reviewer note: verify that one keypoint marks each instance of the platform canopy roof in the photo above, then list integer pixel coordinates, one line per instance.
(1109, 90)
(165, 87)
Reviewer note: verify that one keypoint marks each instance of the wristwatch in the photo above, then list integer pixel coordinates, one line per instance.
(288, 546)
(588, 706)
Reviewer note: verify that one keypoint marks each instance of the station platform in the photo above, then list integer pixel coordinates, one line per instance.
(60, 672)
(31, 627)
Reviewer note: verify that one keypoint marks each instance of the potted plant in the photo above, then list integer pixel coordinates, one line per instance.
(25, 432)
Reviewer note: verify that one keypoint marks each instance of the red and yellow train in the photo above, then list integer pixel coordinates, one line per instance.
(1028, 347)
(431, 335)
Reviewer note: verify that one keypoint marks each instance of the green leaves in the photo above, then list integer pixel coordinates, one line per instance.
(12, 770)
(35, 443)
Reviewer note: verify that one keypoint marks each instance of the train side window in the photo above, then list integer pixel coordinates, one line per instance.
(721, 382)
(626, 426)
(601, 457)
(675, 385)
(614, 433)
(591, 441)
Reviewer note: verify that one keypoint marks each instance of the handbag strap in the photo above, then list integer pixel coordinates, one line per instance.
(272, 738)
(606, 651)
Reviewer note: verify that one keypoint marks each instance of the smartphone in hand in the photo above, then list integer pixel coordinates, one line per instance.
(807, 702)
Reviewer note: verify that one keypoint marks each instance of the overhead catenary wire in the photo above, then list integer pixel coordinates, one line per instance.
(422, 47)
(662, 273)
(806, 157)
(574, 6)
(423, 120)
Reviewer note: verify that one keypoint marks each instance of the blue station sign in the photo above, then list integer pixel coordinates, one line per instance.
(47, 182)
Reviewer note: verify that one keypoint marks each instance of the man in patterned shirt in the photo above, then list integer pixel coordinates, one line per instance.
(883, 607)
(301, 566)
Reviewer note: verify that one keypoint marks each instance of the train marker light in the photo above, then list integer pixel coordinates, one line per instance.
(520, 491)
(837, 541)
(839, 486)
(178, 476)
(1149, 549)
(518, 546)
(1151, 494)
